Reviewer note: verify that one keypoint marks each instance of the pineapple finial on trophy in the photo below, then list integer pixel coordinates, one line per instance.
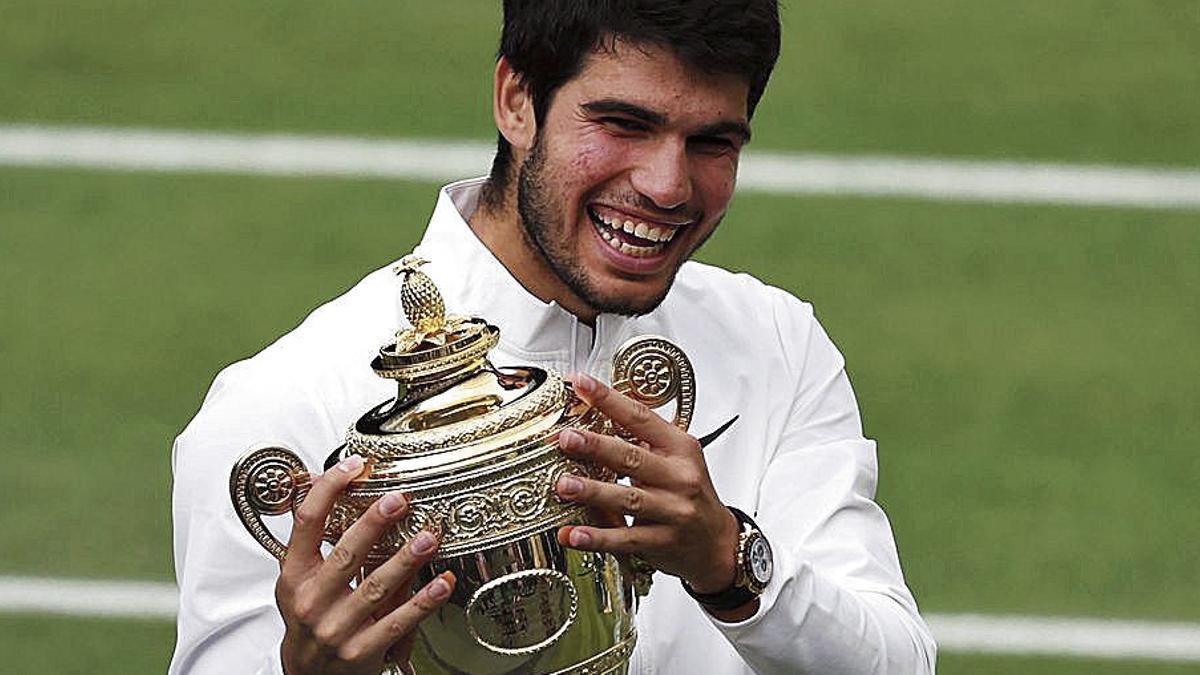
(423, 305)
(437, 349)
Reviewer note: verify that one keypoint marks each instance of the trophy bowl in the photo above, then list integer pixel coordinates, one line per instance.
(474, 447)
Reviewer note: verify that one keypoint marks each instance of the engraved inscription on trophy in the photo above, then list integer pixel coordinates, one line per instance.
(522, 613)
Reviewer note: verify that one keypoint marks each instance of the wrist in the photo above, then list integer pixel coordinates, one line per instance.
(720, 572)
(713, 583)
(753, 568)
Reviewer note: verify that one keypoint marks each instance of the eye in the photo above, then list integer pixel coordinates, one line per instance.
(715, 145)
(624, 124)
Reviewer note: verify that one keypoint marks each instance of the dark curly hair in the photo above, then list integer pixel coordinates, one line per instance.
(546, 42)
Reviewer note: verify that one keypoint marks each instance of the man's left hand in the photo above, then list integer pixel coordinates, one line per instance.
(679, 524)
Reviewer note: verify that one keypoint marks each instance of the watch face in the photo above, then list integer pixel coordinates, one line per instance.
(760, 560)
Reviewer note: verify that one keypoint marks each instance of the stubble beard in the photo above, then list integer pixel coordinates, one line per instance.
(535, 208)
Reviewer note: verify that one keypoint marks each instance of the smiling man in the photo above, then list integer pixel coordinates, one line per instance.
(621, 178)
(620, 127)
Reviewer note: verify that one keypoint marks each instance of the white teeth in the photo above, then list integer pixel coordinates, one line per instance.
(639, 251)
(659, 235)
(628, 249)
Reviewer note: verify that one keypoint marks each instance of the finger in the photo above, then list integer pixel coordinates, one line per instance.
(308, 521)
(401, 651)
(350, 552)
(635, 416)
(605, 518)
(379, 586)
(397, 625)
(635, 501)
(615, 453)
(640, 539)
(399, 597)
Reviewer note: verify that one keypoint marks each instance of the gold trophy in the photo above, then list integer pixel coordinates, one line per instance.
(474, 447)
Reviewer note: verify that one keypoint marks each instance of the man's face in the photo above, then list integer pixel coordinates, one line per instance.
(631, 171)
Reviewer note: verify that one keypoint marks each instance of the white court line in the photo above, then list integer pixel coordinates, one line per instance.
(1049, 636)
(1066, 636)
(83, 597)
(440, 160)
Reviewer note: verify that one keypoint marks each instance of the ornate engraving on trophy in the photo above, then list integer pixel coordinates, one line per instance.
(523, 612)
(474, 448)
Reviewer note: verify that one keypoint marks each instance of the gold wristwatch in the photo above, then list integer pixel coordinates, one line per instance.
(753, 569)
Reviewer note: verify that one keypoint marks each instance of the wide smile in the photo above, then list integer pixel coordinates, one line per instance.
(631, 238)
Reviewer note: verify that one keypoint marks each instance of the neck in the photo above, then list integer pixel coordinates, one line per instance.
(497, 224)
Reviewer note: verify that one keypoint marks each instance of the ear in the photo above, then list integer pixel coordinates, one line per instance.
(512, 108)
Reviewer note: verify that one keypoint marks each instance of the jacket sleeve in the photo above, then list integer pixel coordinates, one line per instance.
(837, 602)
(228, 621)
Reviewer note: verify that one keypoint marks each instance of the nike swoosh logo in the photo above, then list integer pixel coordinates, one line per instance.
(705, 440)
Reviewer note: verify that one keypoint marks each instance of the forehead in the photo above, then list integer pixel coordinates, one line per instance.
(655, 78)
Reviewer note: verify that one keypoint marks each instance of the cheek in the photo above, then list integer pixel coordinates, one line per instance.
(594, 158)
(716, 183)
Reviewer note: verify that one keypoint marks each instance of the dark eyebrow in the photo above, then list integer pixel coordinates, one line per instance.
(608, 106)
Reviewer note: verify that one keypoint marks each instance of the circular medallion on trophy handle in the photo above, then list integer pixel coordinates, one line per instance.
(267, 482)
(652, 378)
(270, 476)
(654, 371)
(522, 613)
(272, 488)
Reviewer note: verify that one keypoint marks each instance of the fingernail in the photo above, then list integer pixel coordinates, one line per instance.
(570, 485)
(570, 439)
(579, 537)
(391, 504)
(584, 383)
(438, 589)
(352, 464)
(422, 543)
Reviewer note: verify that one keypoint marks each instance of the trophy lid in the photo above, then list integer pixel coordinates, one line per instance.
(452, 405)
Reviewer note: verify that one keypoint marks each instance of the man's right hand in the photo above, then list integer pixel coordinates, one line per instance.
(332, 628)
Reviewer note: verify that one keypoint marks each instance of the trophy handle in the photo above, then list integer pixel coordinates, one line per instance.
(654, 370)
(267, 482)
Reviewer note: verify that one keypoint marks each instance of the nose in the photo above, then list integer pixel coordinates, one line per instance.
(663, 176)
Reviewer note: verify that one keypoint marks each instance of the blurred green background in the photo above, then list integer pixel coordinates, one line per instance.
(1029, 371)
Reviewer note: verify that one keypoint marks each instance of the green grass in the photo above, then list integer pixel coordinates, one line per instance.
(1081, 80)
(73, 646)
(1029, 372)
(976, 664)
(119, 311)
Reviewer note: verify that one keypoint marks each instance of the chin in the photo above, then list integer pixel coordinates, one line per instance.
(623, 296)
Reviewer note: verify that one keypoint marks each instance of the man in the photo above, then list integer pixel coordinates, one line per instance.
(620, 127)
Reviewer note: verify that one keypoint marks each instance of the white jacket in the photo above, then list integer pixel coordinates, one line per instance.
(795, 459)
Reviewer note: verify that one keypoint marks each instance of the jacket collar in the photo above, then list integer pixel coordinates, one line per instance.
(475, 283)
